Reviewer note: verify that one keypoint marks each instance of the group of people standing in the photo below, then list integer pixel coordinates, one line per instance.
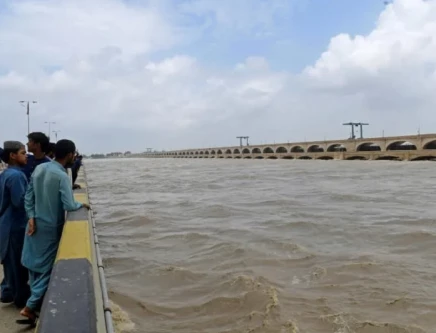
(35, 192)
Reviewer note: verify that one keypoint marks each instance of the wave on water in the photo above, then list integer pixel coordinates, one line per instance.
(193, 246)
(121, 320)
(345, 323)
(252, 302)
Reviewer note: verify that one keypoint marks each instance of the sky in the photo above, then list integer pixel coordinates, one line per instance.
(120, 75)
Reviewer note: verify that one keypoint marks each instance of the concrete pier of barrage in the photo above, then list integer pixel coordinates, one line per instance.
(402, 148)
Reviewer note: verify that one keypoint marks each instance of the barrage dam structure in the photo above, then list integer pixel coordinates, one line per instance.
(402, 148)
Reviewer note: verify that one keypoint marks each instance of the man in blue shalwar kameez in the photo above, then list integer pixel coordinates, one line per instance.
(49, 195)
(13, 220)
(38, 144)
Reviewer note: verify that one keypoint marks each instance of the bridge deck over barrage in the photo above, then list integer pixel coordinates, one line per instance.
(408, 147)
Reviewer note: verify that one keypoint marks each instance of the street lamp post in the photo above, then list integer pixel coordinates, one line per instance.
(56, 135)
(49, 123)
(28, 112)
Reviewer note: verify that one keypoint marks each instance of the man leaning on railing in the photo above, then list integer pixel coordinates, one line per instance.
(47, 198)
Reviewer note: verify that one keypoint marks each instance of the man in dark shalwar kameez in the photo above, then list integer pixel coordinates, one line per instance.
(13, 221)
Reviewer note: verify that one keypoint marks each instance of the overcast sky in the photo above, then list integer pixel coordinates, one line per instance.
(169, 74)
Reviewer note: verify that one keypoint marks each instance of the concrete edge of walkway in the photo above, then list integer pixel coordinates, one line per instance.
(73, 302)
(76, 273)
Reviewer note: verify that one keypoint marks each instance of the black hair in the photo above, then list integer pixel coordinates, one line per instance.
(51, 148)
(42, 139)
(6, 154)
(63, 148)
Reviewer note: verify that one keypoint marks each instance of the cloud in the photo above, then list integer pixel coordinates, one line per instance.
(114, 74)
(229, 18)
(399, 50)
(390, 72)
(54, 31)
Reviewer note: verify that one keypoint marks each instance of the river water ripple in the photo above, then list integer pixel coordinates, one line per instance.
(268, 246)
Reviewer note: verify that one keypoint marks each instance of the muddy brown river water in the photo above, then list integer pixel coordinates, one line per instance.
(269, 246)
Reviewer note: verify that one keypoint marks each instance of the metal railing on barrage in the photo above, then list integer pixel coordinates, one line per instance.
(106, 303)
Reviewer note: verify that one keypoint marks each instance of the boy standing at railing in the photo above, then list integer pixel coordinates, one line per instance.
(13, 220)
(38, 144)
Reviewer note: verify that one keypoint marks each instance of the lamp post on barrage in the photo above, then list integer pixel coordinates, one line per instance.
(56, 135)
(49, 123)
(27, 104)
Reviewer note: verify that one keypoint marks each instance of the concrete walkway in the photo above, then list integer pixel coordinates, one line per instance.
(8, 314)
